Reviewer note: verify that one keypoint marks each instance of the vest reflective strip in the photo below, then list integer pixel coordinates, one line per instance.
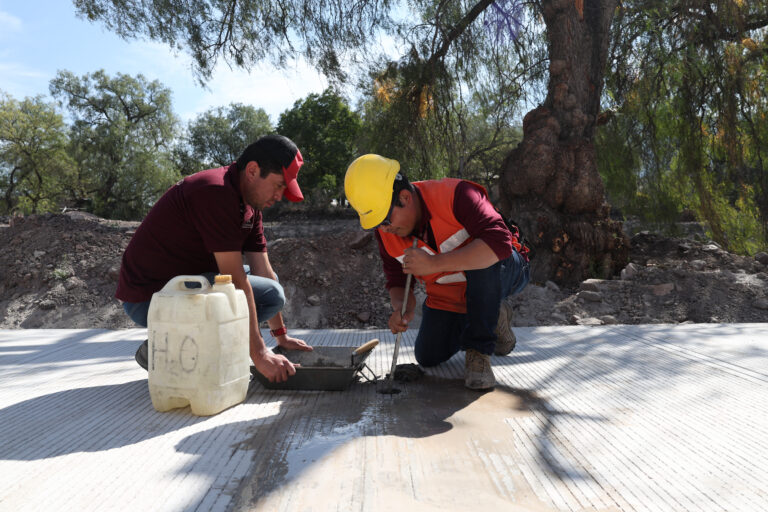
(452, 278)
(448, 245)
(423, 248)
(454, 241)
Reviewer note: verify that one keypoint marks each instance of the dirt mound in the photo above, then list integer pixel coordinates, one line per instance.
(60, 271)
(331, 281)
(668, 280)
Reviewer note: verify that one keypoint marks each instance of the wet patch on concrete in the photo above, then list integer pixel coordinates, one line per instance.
(436, 444)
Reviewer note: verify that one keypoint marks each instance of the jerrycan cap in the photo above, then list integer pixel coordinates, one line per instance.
(223, 279)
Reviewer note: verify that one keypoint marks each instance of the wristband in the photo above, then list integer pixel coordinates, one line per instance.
(279, 332)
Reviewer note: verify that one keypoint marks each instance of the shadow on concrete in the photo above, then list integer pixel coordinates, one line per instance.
(78, 347)
(311, 425)
(88, 419)
(648, 354)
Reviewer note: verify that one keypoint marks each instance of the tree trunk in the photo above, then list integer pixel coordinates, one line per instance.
(550, 185)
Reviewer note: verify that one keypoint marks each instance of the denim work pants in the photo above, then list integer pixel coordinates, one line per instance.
(267, 293)
(443, 333)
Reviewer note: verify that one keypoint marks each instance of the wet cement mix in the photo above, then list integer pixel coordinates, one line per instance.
(60, 271)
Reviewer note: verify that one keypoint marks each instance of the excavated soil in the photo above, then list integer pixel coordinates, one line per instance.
(60, 271)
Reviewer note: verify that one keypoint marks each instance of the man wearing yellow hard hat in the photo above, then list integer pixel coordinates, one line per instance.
(466, 257)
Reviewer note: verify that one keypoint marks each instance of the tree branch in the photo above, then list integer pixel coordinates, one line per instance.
(459, 29)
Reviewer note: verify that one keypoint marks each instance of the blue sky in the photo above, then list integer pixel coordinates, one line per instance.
(39, 37)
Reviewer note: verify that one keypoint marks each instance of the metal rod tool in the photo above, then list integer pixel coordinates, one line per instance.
(390, 381)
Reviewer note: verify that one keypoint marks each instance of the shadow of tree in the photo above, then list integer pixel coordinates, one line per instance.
(311, 425)
(88, 419)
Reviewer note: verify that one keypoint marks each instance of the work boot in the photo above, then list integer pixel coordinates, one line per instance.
(477, 370)
(505, 338)
(142, 356)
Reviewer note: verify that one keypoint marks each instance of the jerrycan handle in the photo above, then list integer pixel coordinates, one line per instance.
(177, 284)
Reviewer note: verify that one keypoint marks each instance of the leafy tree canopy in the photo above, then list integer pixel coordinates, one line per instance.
(326, 131)
(219, 135)
(246, 33)
(35, 168)
(121, 135)
(688, 80)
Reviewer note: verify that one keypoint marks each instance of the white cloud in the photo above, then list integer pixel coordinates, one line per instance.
(265, 87)
(19, 70)
(272, 89)
(9, 24)
(18, 80)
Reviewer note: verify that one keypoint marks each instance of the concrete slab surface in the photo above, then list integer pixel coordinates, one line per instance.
(629, 418)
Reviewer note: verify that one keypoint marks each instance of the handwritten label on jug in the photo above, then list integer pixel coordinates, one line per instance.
(158, 349)
(188, 354)
(164, 354)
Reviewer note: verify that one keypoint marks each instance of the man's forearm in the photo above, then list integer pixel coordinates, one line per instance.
(396, 298)
(257, 344)
(473, 256)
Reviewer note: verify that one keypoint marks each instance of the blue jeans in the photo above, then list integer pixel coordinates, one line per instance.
(267, 293)
(443, 333)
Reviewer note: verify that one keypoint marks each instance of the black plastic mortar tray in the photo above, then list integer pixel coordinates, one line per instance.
(324, 368)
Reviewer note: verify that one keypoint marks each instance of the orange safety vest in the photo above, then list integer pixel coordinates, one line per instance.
(445, 290)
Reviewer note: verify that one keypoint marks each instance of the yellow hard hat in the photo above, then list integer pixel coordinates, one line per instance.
(368, 186)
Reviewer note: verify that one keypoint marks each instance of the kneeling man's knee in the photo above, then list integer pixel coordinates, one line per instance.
(276, 297)
(426, 358)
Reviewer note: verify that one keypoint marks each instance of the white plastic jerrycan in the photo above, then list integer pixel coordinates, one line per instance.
(198, 345)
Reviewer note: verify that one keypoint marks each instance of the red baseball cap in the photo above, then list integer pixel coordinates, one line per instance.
(277, 152)
(292, 190)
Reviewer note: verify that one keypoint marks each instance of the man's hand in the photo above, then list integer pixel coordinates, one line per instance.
(418, 262)
(290, 343)
(275, 367)
(398, 323)
(473, 256)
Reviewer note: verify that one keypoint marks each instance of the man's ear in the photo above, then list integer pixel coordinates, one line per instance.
(252, 169)
(405, 197)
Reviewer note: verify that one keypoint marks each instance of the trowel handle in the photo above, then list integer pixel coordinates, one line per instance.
(177, 284)
(366, 347)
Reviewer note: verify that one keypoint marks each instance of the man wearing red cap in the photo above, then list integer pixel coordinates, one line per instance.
(202, 226)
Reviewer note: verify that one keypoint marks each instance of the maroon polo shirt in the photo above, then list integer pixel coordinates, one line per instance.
(478, 216)
(201, 214)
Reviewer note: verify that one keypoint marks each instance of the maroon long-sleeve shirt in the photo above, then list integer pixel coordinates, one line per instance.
(200, 215)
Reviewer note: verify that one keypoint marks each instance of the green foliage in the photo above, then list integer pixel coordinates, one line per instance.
(120, 140)
(463, 140)
(447, 107)
(691, 132)
(34, 166)
(326, 131)
(636, 167)
(246, 33)
(686, 80)
(218, 136)
(741, 220)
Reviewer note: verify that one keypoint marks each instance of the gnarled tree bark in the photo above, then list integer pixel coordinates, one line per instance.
(550, 184)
